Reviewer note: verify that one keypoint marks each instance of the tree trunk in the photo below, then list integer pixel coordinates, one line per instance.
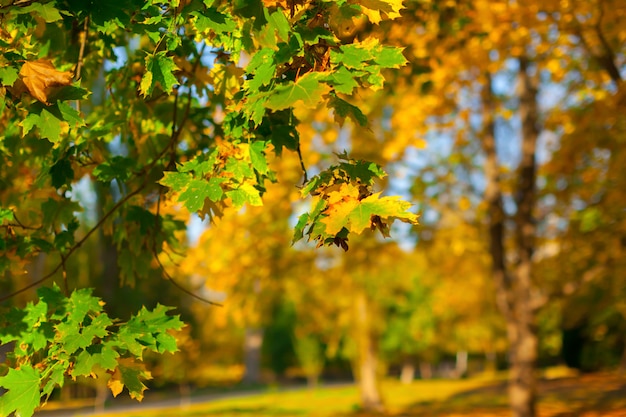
(407, 374)
(491, 361)
(367, 358)
(107, 253)
(514, 285)
(252, 355)
(461, 364)
(426, 370)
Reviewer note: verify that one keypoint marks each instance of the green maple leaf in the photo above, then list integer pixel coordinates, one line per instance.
(102, 355)
(6, 215)
(144, 329)
(239, 169)
(46, 10)
(344, 109)
(262, 68)
(74, 337)
(8, 75)
(257, 157)
(130, 374)
(30, 121)
(82, 302)
(70, 114)
(177, 181)
(55, 377)
(200, 165)
(61, 173)
(344, 81)
(198, 190)
(308, 89)
(165, 342)
(117, 167)
(390, 57)
(28, 328)
(353, 56)
(278, 21)
(211, 19)
(159, 70)
(246, 193)
(23, 394)
(49, 126)
(54, 299)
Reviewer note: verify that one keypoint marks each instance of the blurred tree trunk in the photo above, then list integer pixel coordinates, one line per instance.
(407, 374)
(461, 363)
(107, 252)
(252, 355)
(367, 360)
(426, 370)
(514, 282)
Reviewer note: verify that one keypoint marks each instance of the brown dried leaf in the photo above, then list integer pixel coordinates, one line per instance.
(40, 77)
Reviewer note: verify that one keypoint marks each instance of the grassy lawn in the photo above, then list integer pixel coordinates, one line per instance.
(587, 395)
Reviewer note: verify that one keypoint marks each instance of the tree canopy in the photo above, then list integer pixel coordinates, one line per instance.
(125, 124)
(167, 107)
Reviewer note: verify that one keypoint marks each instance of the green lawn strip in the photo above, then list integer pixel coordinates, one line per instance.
(467, 397)
(322, 401)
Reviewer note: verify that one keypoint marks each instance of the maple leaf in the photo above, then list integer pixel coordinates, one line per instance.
(23, 391)
(40, 78)
(385, 208)
(159, 69)
(129, 373)
(373, 8)
(308, 89)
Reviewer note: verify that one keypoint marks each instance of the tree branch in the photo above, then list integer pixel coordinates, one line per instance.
(77, 244)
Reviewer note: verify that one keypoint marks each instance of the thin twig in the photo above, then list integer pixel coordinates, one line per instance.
(306, 175)
(21, 225)
(176, 130)
(180, 287)
(81, 53)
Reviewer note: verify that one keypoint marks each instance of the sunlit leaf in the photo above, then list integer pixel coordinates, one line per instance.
(40, 77)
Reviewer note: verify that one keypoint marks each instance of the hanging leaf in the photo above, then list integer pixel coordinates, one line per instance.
(159, 70)
(40, 77)
(129, 374)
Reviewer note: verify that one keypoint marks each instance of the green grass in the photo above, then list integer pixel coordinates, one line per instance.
(588, 395)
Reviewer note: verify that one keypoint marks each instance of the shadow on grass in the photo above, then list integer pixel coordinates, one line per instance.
(563, 397)
(487, 400)
(590, 393)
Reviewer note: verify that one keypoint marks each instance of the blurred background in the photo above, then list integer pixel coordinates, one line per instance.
(507, 130)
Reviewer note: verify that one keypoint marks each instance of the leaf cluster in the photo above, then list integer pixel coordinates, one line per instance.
(188, 99)
(344, 202)
(62, 337)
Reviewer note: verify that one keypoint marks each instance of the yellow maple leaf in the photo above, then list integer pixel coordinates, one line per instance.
(115, 383)
(340, 204)
(373, 8)
(40, 78)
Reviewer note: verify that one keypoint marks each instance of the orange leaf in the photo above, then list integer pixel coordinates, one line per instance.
(40, 77)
